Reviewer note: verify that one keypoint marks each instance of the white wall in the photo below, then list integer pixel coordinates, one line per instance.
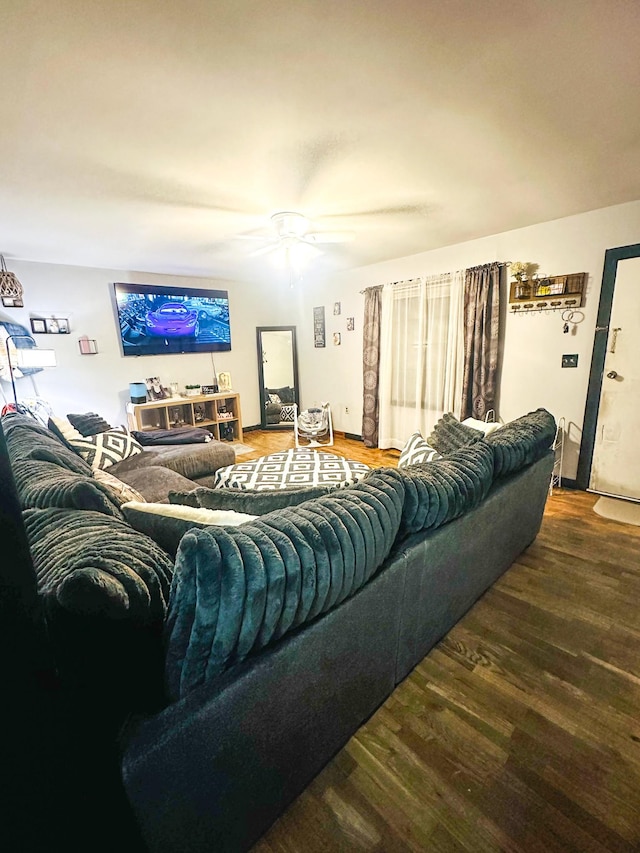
(533, 345)
(100, 382)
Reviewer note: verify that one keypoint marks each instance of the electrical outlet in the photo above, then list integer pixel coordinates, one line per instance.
(346, 410)
(570, 360)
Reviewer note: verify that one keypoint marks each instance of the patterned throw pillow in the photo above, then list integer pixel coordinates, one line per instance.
(417, 451)
(106, 448)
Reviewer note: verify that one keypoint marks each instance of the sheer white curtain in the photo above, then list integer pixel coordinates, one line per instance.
(421, 355)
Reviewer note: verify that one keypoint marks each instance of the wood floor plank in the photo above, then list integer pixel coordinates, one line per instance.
(520, 730)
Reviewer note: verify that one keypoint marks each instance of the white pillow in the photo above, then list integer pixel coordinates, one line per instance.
(486, 427)
(416, 451)
(227, 517)
(66, 428)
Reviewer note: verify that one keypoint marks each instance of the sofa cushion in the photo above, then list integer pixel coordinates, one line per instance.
(236, 590)
(43, 484)
(92, 564)
(89, 423)
(166, 524)
(417, 450)
(106, 448)
(152, 481)
(104, 587)
(193, 461)
(439, 491)
(27, 439)
(256, 502)
(522, 441)
(449, 434)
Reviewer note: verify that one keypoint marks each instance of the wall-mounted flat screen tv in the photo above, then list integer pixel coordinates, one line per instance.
(155, 319)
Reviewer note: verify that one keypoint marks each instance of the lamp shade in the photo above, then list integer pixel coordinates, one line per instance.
(34, 357)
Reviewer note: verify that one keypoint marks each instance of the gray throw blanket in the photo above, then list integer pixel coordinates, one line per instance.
(186, 435)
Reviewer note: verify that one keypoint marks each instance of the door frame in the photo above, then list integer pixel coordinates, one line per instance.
(585, 459)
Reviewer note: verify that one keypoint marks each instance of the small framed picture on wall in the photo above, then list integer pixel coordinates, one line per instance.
(38, 327)
(336, 339)
(351, 324)
(336, 308)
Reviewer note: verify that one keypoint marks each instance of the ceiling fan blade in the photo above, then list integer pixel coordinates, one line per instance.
(329, 237)
(264, 250)
(393, 210)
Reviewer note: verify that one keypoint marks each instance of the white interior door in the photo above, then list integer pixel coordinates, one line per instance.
(615, 469)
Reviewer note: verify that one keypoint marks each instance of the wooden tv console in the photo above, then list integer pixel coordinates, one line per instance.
(219, 413)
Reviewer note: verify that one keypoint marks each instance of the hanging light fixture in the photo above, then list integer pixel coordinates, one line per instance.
(10, 288)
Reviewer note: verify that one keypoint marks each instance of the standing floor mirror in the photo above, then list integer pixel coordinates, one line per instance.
(278, 375)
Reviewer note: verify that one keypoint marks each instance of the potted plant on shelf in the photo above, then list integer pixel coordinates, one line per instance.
(192, 390)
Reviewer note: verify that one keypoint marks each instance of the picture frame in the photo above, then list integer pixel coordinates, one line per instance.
(351, 324)
(57, 325)
(38, 326)
(336, 339)
(336, 308)
(155, 391)
(12, 302)
(319, 329)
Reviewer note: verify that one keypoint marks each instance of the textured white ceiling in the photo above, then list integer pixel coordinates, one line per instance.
(153, 135)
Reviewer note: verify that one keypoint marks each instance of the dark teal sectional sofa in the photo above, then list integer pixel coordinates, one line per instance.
(263, 648)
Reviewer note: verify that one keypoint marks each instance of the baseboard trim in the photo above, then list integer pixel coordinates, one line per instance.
(251, 428)
(352, 435)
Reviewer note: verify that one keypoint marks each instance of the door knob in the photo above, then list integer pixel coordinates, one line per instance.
(612, 374)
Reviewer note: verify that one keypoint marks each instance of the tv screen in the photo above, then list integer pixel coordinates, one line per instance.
(154, 319)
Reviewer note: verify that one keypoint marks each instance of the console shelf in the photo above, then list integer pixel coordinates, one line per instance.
(219, 413)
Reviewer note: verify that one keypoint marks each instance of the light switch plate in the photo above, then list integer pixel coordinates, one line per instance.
(570, 360)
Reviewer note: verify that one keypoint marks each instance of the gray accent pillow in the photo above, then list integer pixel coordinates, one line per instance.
(252, 502)
(89, 423)
(449, 434)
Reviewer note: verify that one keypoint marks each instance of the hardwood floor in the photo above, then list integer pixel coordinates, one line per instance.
(520, 730)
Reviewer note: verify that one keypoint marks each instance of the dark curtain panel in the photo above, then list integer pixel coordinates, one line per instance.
(481, 332)
(371, 365)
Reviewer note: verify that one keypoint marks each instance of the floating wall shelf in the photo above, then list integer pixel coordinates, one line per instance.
(549, 293)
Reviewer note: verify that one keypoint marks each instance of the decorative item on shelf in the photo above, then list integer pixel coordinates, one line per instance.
(88, 346)
(192, 390)
(173, 388)
(557, 292)
(57, 326)
(207, 389)
(11, 290)
(224, 381)
(198, 413)
(226, 432)
(155, 389)
(138, 392)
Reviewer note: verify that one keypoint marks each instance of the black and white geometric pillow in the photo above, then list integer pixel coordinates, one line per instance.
(287, 414)
(416, 451)
(106, 448)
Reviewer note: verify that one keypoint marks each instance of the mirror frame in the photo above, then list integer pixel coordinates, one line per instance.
(296, 382)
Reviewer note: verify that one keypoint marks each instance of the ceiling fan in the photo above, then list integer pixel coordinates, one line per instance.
(293, 234)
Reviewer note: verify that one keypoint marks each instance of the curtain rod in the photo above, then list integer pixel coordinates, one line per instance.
(409, 280)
